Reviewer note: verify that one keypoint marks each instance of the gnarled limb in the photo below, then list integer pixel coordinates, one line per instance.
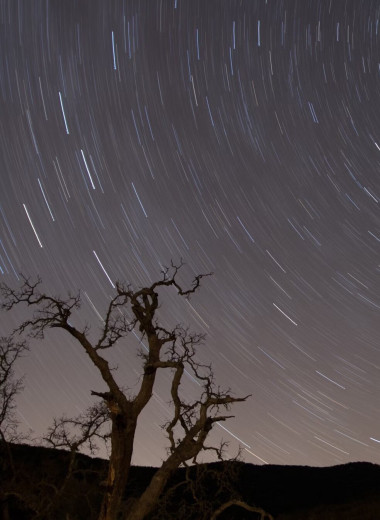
(240, 503)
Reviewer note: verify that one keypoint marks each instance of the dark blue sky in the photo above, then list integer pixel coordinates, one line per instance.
(242, 136)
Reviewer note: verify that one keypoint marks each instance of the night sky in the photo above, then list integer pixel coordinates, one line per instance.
(242, 136)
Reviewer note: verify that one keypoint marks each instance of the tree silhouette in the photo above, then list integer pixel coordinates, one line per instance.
(10, 386)
(172, 349)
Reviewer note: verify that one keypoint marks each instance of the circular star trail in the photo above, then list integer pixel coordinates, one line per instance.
(241, 136)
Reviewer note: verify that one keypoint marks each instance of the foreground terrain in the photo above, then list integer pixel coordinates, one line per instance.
(39, 483)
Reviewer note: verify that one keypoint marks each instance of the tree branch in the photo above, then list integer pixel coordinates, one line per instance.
(263, 514)
(116, 324)
(10, 352)
(62, 434)
(51, 312)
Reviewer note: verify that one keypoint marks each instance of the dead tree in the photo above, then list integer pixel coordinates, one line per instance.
(10, 386)
(72, 434)
(172, 349)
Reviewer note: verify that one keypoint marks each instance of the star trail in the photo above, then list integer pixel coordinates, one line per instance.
(242, 136)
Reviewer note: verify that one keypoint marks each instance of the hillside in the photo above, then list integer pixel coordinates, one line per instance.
(349, 492)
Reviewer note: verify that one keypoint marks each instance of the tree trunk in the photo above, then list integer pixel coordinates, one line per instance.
(147, 501)
(122, 437)
(149, 498)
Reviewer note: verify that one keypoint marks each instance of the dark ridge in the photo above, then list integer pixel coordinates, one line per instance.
(349, 491)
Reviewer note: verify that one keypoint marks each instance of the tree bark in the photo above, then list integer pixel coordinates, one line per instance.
(122, 438)
(149, 498)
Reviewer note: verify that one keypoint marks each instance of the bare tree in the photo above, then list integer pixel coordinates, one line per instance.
(71, 434)
(10, 386)
(172, 349)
